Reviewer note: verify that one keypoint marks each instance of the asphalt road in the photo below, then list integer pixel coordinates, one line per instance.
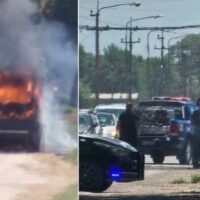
(156, 186)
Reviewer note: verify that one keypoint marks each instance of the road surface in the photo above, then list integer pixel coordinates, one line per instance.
(38, 176)
(158, 184)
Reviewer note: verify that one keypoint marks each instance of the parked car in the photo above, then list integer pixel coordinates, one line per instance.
(114, 108)
(165, 128)
(89, 123)
(108, 122)
(104, 160)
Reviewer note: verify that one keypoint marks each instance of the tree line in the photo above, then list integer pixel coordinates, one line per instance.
(179, 75)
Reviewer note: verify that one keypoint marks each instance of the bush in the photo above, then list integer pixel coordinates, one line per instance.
(195, 178)
(179, 181)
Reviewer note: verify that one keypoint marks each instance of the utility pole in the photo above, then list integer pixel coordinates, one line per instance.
(97, 60)
(162, 48)
(162, 75)
(96, 53)
(149, 80)
(183, 69)
(129, 60)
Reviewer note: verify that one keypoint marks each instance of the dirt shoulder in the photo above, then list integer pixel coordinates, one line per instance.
(34, 176)
(158, 184)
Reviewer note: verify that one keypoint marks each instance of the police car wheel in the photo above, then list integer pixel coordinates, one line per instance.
(91, 176)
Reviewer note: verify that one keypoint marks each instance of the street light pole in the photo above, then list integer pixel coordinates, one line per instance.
(148, 64)
(129, 63)
(97, 60)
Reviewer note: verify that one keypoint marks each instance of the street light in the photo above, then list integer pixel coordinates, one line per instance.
(97, 40)
(137, 19)
(130, 43)
(181, 36)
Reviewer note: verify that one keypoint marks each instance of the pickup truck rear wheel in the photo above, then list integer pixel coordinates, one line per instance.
(186, 156)
(157, 158)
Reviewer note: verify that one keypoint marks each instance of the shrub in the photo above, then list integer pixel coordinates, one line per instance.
(195, 178)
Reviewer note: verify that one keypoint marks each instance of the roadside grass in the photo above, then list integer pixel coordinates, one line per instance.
(70, 194)
(179, 181)
(71, 157)
(195, 178)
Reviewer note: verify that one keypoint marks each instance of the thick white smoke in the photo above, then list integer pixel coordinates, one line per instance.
(56, 138)
(45, 47)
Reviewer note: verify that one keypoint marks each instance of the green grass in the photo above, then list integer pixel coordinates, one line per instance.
(195, 178)
(71, 193)
(71, 157)
(179, 181)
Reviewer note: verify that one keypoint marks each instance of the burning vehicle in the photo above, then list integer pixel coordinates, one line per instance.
(20, 91)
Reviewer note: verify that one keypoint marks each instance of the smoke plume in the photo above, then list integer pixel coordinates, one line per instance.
(45, 47)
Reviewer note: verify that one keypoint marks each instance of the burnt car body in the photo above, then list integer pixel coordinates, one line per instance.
(104, 160)
(19, 108)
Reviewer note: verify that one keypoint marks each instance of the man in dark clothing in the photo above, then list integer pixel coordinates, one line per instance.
(195, 119)
(127, 125)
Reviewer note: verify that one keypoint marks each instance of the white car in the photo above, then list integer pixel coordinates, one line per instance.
(115, 109)
(108, 122)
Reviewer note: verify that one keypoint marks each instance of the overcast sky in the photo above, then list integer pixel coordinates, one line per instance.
(175, 13)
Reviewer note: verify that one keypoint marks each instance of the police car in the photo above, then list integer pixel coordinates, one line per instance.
(104, 160)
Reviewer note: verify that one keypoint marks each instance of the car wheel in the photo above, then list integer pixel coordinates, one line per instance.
(186, 156)
(92, 177)
(157, 158)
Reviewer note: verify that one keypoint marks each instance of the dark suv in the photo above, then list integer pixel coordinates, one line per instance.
(165, 128)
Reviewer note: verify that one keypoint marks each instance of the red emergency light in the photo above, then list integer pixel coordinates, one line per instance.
(172, 98)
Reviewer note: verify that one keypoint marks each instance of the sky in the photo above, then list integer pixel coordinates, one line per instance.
(175, 13)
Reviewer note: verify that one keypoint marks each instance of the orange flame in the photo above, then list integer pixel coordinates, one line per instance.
(19, 94)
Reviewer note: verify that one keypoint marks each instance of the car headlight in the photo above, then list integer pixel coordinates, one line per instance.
(114, 133)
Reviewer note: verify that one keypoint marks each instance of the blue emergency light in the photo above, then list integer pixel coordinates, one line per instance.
(114, 173)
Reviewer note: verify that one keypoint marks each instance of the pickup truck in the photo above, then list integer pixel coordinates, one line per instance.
(165, 128)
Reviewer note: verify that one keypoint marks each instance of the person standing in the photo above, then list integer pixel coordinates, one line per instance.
(195, 120)
(127, 125)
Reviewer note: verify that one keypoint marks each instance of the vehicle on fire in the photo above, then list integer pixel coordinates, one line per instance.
(19, 108)
(165, 128)
(103, 160)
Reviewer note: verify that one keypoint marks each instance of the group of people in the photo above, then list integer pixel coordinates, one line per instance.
(128, 124)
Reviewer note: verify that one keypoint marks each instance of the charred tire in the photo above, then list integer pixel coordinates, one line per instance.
(92, 176)
(158, 158)
(186, 156)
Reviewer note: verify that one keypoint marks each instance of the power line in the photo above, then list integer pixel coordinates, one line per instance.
(107, 28)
